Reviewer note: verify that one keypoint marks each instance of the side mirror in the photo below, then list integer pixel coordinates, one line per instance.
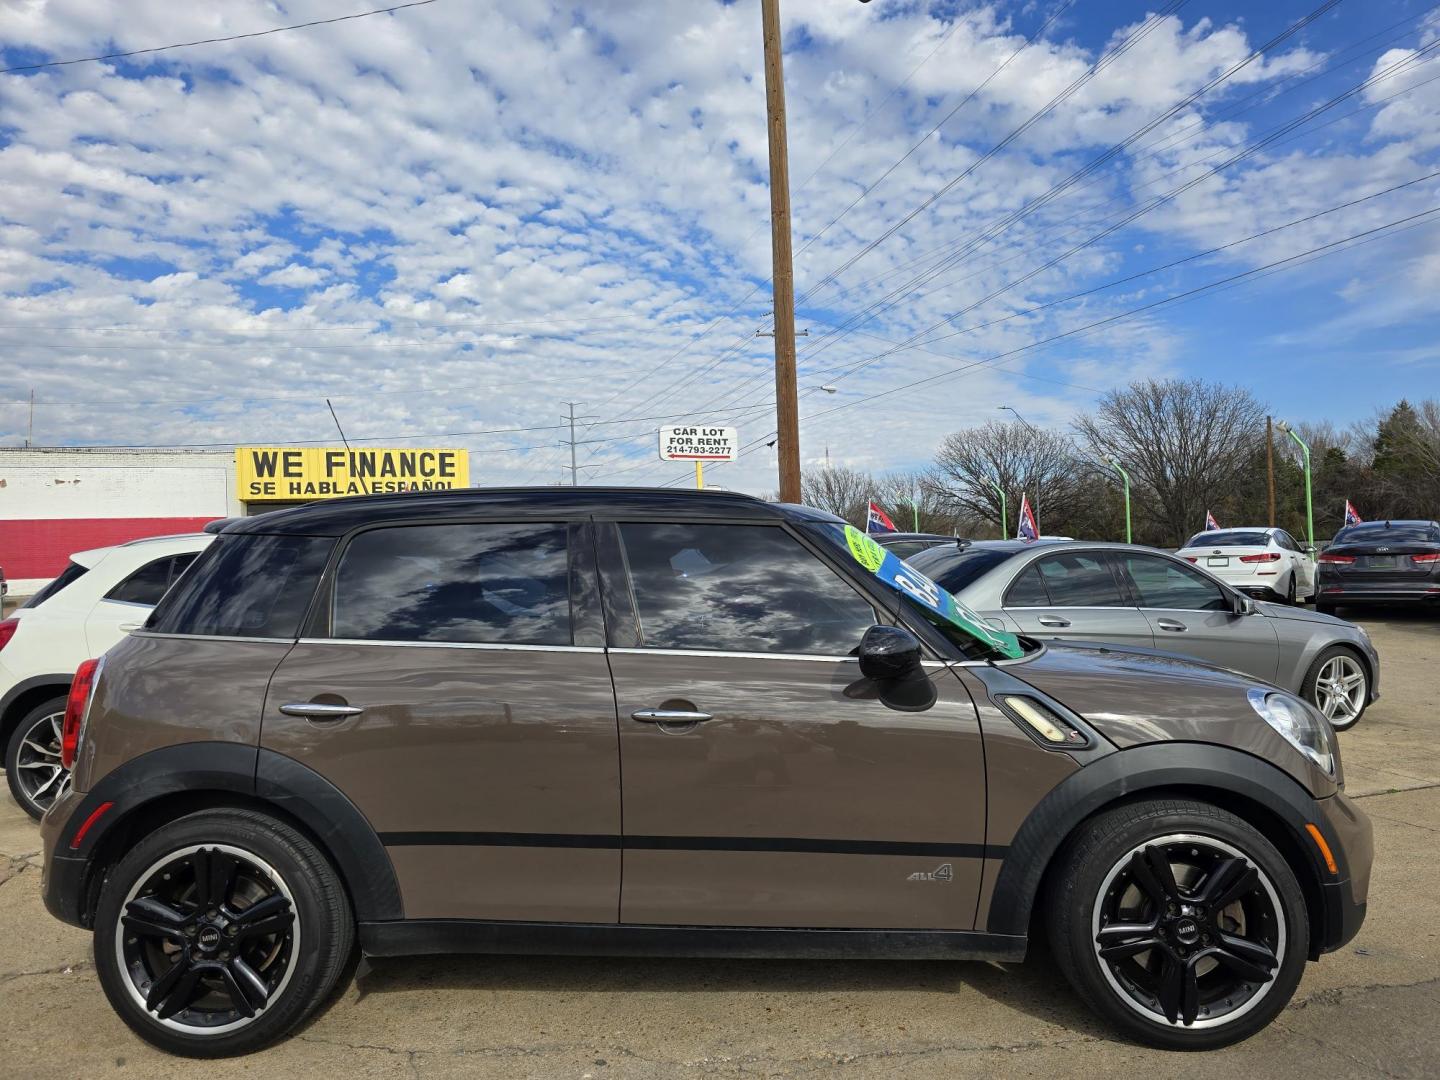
(1242, 605)
(890, 663)
(889, 652)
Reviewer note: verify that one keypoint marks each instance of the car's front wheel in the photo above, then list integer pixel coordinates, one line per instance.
(1339, 686)
(1179, 922)
(32, 758)
(220, 933)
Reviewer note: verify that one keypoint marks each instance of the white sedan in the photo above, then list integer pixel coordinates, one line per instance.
(1263, 562)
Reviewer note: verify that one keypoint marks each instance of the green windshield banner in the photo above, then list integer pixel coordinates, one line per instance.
(899, 575)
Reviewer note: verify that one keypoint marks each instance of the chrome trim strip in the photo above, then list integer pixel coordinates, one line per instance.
(482, 645)
(213, 637)
(733, 655)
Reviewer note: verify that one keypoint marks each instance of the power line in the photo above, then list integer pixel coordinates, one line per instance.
(215, 40)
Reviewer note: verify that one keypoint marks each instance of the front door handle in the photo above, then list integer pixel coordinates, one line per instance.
(670, 716)
(319, 710)
(1171, 625)
(1053, 620)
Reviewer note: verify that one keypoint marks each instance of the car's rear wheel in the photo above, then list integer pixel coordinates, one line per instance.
(1339, 686)
(1179, 923)
(32, 758)
(220, 933)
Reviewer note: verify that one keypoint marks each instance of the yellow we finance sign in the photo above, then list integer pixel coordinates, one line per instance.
(288, 474)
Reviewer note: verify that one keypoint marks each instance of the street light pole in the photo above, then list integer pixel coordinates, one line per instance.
(1004, 516)
(1036, 508)
(787, 404)
(1110, 460)
(1309, 498)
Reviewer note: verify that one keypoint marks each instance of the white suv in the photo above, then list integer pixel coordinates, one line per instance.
(81, 613)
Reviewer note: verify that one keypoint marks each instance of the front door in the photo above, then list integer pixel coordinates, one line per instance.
(756, 791)
(1193, 615)
(1075, 596)
(484, 749)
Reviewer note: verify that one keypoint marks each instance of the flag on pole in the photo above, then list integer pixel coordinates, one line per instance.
(879, 521)
(1210, 523)
(1026, 529)
(1352, 516)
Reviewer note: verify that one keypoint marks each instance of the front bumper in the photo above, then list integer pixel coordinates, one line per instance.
(1348, 832)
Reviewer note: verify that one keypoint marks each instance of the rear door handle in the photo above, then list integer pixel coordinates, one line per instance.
(319, 710)
(670, 716)
(1171, 625)
(1053, 620)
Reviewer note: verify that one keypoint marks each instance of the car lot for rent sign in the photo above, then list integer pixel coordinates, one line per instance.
(699, 443)
(289, 474)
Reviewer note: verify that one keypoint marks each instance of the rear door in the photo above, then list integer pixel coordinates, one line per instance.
(1075, 595)
(1192, 614)
(784, 800)
(130, 601)
(482, 744)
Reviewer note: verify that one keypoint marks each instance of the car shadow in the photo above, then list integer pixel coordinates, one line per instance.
(1035, 988)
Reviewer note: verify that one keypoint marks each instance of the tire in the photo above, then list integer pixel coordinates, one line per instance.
(1290, 597)
(1094, 886)
(1321, 691)
(297, 961)
(36, 739)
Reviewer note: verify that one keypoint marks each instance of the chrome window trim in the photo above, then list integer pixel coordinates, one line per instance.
(740, 655)
(212, 637)
(485, 645)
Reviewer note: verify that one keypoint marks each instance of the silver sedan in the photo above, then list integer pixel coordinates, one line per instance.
(1142, 598)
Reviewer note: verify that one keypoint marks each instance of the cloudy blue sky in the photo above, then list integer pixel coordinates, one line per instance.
(453, 219)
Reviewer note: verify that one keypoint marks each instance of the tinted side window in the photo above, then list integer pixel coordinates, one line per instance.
(245, 585)
(1161, 583)
(1027, 590)
(739, 588)
(1080, 579)
(148, 584)
(905, 548)
(505, 584)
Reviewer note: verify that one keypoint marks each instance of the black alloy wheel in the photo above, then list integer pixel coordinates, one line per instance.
(1179, 923)
(221, 932)
(32, 759)
(1188, 929)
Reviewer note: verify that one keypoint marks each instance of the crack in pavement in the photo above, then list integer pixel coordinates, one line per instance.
(62, 969)
(1335, 995)
(1397, 791)
(18, 864)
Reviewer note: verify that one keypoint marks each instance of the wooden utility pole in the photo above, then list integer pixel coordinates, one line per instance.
(787, 403)
(1270, 463)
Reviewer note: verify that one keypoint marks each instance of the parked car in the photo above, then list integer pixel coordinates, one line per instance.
(443, 722)
(1381, 562)
(1138, 597)
(905, 544)
(1263, 562)
(81, 612)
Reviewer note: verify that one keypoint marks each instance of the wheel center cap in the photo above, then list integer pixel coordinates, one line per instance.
(1187, 931)
(208, 938)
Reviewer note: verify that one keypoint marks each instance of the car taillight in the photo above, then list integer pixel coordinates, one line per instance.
(1423, 560)
(1269, 556)
(7, 630)
(1191, 558)
(76, 706)
(1342, 560)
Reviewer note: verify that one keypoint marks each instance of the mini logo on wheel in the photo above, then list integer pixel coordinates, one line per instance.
(943, 872)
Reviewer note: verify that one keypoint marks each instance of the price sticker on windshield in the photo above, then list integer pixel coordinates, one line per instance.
(902, 577)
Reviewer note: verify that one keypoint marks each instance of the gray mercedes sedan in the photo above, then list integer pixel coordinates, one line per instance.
(1143, 598)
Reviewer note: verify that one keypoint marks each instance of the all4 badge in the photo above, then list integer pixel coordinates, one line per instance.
(943, 872)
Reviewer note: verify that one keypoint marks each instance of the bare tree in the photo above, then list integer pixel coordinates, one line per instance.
(1041, 464)
(1186, 443)
(914, 505)
(842, 491)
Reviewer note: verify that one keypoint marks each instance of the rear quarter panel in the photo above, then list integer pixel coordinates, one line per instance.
(161, 690)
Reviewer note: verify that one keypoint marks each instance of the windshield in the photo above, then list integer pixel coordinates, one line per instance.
(65, 577)
(1401, 532)
(969, 632)
(955, 569)
(1229, 539)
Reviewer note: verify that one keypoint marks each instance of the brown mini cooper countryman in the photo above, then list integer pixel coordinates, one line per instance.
(667, 723)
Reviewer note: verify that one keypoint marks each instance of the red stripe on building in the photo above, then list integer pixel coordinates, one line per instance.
(40, 549)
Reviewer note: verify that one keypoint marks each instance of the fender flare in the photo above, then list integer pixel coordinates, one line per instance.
(59, 683)
(259, 775)
(1154, 766)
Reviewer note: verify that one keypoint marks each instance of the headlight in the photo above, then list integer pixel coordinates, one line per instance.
(1303, 727)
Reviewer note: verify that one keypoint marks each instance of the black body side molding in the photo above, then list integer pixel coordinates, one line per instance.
(259, 775)
(419, 937)
(1131, 772)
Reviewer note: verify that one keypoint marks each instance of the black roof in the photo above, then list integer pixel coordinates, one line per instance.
(895, 537)
(333, 517)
